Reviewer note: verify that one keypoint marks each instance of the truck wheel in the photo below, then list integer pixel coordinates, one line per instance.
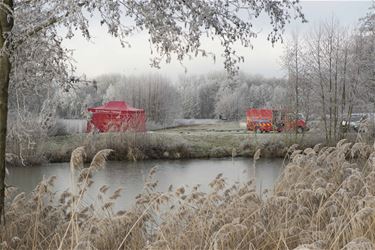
(299, 130)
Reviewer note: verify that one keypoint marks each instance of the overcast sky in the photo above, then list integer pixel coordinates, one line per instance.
(104, 53)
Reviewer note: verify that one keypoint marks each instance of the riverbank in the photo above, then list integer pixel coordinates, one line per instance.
(198, 141)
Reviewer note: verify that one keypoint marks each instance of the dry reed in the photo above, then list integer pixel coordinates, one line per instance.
(324, 199)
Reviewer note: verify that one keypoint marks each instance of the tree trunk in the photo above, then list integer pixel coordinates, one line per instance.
(6, 25)
(5, 67)
(336, 89)
(343, 96)
(330, 87)
(296, 84)
(324, 116)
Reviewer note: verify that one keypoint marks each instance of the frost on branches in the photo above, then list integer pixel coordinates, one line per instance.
(32, 58)
(40, 66)
(175, 27)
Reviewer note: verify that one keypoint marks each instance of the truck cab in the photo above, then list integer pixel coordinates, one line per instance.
(295, 122)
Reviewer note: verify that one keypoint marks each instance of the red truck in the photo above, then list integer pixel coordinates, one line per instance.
(267, 120)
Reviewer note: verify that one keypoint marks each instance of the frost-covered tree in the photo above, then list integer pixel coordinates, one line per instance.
(366, 37)
(154, 93)
(317, 67)
(174, 27)
(215, 95)
(292, 62)
(332, 72)
(188, 89)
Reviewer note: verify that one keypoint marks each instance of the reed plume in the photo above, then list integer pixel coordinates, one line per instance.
(324, 199)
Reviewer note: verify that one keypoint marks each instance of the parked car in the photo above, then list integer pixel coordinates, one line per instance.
(356, 122)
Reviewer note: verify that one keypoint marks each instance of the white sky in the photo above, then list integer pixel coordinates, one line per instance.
(104, 54)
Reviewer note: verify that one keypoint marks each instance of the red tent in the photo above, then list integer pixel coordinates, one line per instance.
(116, 116)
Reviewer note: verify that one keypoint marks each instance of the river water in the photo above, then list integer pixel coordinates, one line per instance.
(131, 175)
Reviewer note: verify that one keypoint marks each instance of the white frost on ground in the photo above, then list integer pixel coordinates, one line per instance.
(71, 126)
(242, 124)
(186, 122)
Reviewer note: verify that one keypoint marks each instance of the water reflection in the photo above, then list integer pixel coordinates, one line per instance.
(131, 175)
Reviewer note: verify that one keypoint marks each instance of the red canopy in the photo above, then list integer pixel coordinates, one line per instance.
(116, 116)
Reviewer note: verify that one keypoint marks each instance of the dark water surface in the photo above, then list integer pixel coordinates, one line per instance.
(131, 175)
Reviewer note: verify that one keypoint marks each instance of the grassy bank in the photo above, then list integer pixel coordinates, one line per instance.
(175, 144)
(324, 199)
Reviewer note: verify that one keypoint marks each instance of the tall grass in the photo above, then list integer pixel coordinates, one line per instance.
(324, 199)
(174, 145)
(127, 146)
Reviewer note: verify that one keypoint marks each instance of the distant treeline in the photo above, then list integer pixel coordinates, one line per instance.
(206, 96)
